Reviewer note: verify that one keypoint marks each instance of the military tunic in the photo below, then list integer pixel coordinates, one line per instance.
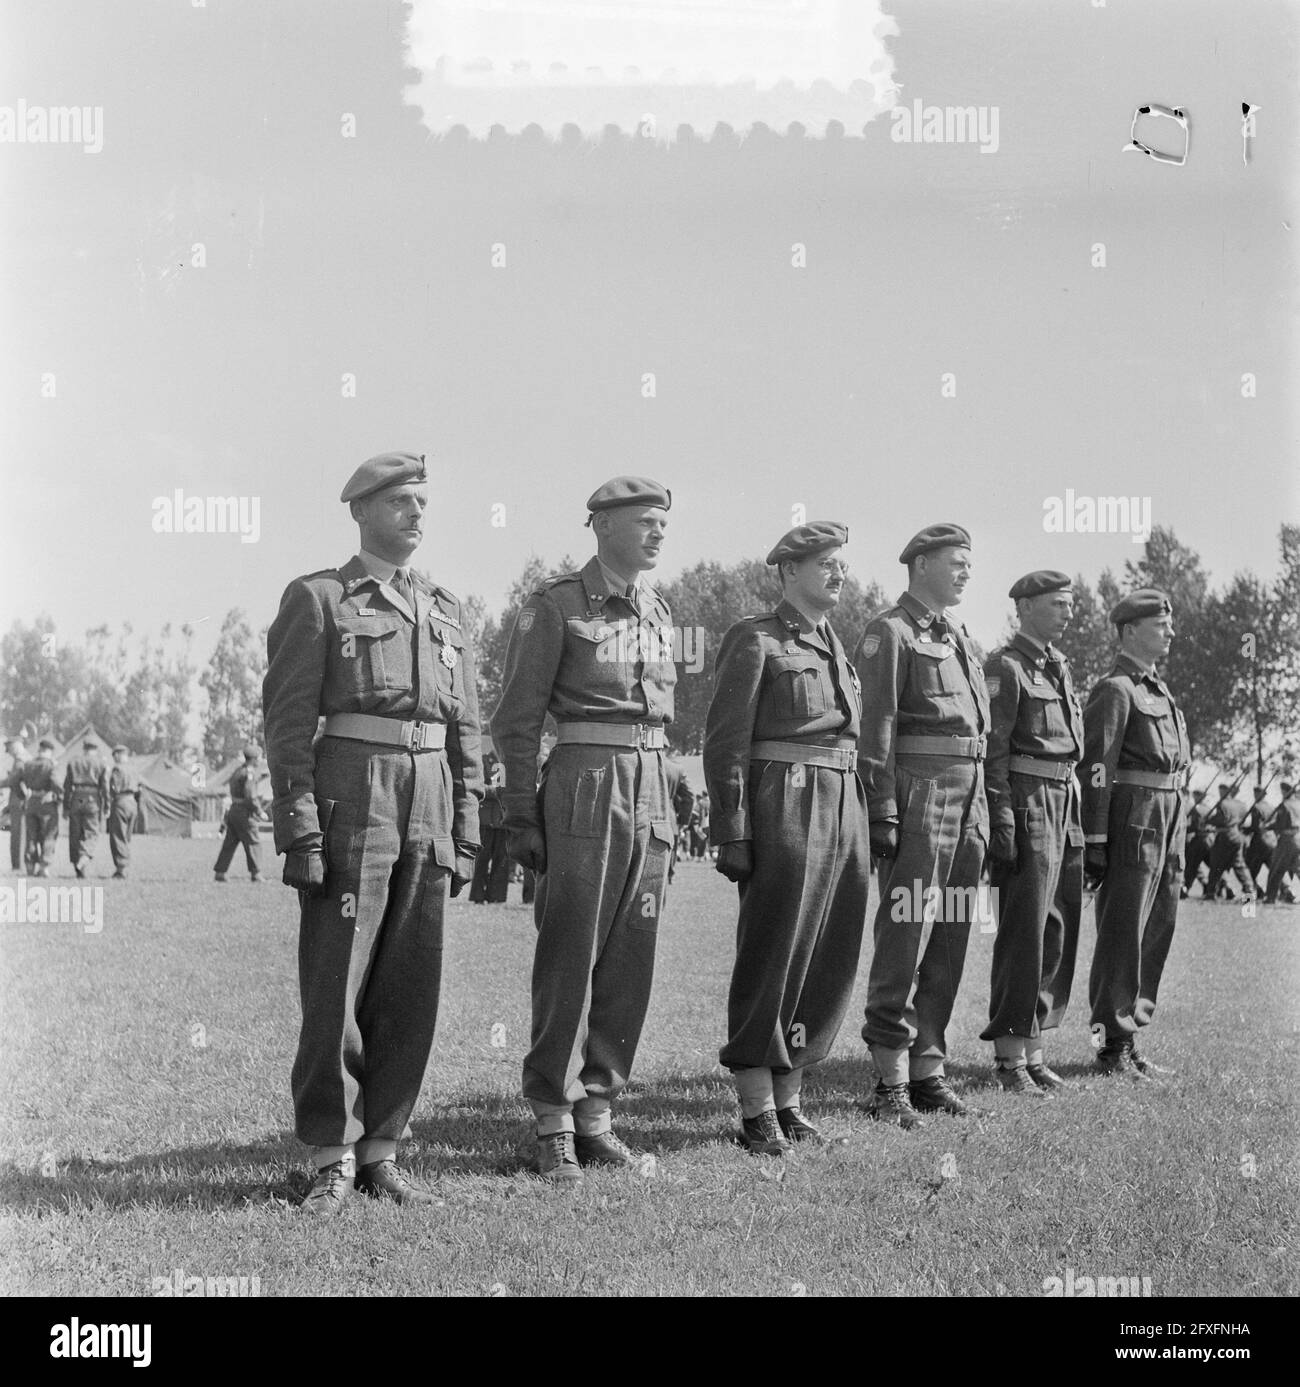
(922, 678)
(242, 820)
(1035, 742)
(1132, 724)
(781, 679)
(1286, 855)
(13, 783)
(40, 813)
(1200, 844)
(123, 805)
(85, 801)
(585, 653)
(389, 819)
(1229, 850)
(1261, 839)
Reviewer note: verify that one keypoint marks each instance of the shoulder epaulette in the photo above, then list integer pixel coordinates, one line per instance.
(556, 578)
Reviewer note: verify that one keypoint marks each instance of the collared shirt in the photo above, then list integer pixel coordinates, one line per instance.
(779, 677)
(1035, 712)
(632, 591)
(914, 683)
(582, 652)
(1131, 722)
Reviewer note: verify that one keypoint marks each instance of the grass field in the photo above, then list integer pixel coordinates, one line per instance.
(147, 1125)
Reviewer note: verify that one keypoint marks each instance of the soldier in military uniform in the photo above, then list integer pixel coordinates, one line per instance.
(921, 757)
(243, 818)
(682, 799)
(85, 801)
(1261, 839)
(790, 826)
(374, 820)
(1200, 844)
(1036, 834)
(12, 783)
(123, 805)
(41, 796)
(1285, 822)
(491, 881)
(1227, 818)
(1135, 761)
(595, 650)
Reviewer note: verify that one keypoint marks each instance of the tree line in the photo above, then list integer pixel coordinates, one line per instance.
(1234, 666)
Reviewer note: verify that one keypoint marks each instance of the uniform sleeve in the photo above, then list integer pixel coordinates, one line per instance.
(1104, 722)
(729, 732)
(1004, 709)
(67, 788)
(532, 661)
(465, 756)
(882, 669)
(291, 697)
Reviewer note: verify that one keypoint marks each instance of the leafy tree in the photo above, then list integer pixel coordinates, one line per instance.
(233, 683)
(42, 680)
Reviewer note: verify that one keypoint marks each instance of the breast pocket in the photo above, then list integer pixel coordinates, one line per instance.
(374, 652)
(938, 672)
(798, 687)
(448, 648)
(1043, 709)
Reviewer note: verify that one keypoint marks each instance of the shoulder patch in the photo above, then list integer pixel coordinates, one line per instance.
(994, 683)
(869, 646)
(526, 619)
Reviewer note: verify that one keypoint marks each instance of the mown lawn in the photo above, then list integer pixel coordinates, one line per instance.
(147, 1126)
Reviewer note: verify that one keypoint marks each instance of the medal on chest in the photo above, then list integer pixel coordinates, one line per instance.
(448, 656)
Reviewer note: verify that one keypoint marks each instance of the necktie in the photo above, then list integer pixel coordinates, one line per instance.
(403, 584)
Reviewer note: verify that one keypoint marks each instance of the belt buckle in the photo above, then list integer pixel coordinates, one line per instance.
(415, 741)
(644, 732)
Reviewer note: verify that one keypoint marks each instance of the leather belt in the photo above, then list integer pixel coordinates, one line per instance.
(363, 727)
(1151, 780)
(836, 758)
(647, 736)
(967, 748)
(1043, 769)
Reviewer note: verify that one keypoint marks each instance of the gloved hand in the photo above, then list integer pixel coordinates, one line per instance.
(527, 846)
(463, 872)
(884, 840)
(736, 861)
(1002, 845)
(304, 868)
(1094, 864)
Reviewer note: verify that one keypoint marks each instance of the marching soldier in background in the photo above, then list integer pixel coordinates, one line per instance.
(1229, 849)
(1261, 840)
(491, 881)
(374, 820)
(1200, 845)
(1285, 821)
(123, 805)
(921, 758)
(85, 801)
(790, 825)
(13, 784)
(40, 786)
(682, 799)
(1036, 833)
(595, 650)
(1135, 763)
(243, 818)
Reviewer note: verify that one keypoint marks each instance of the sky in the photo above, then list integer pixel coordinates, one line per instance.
(128, 372)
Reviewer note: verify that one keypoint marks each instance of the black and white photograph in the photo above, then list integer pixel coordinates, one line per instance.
(650, 649)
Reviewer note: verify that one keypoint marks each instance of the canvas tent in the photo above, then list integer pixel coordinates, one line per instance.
(167, 796)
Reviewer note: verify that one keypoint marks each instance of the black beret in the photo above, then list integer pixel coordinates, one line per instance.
(806, 540)
(1137, 605)
(1287, 787)
(251, 752)
(119, 747)
(385, 470)
(629, 491)
(89, 743)
(1040, 581)
(48, 741)
(934, 537)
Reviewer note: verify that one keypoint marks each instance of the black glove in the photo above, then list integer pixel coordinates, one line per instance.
(463, 872)
(736, 861)
(1002, 845)
(1094, 865)
(884, 839)
(527, 846)
(304, 868)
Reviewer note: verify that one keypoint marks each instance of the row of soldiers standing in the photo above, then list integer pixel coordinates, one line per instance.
(91, 792)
